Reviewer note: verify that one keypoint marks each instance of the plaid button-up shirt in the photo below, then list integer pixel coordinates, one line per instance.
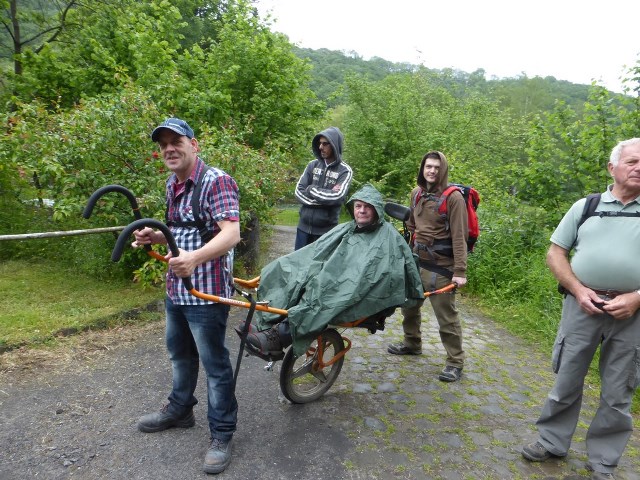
(218, 201)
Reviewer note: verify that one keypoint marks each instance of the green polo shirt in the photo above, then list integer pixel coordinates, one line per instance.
(606, 255)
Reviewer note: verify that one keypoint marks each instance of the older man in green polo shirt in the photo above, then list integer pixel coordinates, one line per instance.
(601, 308)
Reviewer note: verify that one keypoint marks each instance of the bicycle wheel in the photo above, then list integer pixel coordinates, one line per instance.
(301, 378)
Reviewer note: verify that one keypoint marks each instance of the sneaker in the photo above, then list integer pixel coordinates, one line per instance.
(158, 421)
(450, 374)
(402, 349)
(535, 452)
(218, 456)
(266, 342)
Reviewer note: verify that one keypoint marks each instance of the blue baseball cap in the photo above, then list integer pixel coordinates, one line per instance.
(179, 126)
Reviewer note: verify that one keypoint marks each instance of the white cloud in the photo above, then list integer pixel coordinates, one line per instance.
(571, 40)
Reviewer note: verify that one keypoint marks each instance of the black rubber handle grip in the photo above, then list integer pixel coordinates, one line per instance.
(93, 199)
(153, 223)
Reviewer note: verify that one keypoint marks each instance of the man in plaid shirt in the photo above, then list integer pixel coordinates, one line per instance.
(195, 329)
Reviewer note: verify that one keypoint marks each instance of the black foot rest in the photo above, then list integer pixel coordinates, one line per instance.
(376, 322)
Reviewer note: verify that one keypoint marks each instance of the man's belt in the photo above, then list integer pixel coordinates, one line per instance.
(608, 293)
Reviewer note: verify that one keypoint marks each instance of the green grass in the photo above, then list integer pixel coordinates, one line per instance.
(287, 215)
(42, 300)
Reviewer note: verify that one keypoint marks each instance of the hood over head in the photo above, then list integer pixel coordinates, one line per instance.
(335, 138)
(368, 194)
(443, 174)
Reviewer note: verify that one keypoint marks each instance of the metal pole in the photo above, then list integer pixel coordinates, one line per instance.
(69, 233)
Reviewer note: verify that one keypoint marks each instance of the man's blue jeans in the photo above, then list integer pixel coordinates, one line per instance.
(196, 333)
(303, 239)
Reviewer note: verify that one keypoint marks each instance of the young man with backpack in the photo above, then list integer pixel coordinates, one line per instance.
(440, 241)
(601, 308)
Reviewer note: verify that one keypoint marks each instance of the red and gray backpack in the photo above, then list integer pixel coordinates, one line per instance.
(471, 199)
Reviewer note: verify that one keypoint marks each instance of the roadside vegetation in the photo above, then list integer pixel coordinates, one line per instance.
(42, 301)
(86, 83)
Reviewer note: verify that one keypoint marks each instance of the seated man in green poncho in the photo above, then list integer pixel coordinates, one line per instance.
(357, 269)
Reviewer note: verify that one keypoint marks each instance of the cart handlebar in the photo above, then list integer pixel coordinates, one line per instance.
(153, 223)
(93, 199)
(95, 196)
(188, 284)
(447, 288)
(397, 211)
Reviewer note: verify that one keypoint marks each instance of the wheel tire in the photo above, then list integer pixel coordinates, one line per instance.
(298, 382)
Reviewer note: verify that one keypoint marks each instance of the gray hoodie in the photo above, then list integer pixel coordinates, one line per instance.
(322, 188)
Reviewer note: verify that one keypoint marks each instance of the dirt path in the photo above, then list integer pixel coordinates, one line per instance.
(71, 412)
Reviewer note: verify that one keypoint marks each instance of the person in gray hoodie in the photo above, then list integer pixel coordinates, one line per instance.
(323, 187)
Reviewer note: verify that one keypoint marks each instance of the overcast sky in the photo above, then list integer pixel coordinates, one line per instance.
(574, 40)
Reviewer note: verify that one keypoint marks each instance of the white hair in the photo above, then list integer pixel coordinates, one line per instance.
(617, 150)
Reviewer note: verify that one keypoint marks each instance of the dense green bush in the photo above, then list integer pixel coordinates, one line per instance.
(105, 141)
(507, 269)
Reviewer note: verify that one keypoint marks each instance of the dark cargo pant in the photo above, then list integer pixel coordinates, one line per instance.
(444, 307)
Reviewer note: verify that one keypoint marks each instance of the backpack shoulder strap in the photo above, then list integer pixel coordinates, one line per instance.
(197, 222)
(589, 208)
(205, 234)
(415, 196)
(442, 201)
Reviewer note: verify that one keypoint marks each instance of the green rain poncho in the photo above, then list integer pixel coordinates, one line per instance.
(347, 274)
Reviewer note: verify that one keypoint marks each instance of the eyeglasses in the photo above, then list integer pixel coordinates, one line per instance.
(323, 144)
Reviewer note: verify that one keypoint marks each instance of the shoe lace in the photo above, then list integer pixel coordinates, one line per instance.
(217, 444)
(164, 408)
(273, 338)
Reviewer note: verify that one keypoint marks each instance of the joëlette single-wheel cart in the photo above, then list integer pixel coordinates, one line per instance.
(305, 378)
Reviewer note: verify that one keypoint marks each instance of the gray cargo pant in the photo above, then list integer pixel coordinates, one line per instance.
(579, 335)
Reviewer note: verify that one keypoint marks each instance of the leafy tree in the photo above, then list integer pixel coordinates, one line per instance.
(251, 77)
(391, 124)
(31, 24)
(568, 153)
(110, 44)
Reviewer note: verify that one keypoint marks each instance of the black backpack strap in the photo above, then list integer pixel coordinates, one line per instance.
(197, 222)
(589, 208)
(205, 233)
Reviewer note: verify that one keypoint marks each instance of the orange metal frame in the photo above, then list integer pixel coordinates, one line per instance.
(253, 284)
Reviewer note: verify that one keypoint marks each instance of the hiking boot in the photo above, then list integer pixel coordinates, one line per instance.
(402, 349)
(266, 342)
(218, 456)
(158, 421)
(602, 476)
(240, 328)
(535, 452)
(271, 342)
(599, 475)
(450, 374)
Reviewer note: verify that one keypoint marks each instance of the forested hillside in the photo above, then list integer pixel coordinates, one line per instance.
(523, 95)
